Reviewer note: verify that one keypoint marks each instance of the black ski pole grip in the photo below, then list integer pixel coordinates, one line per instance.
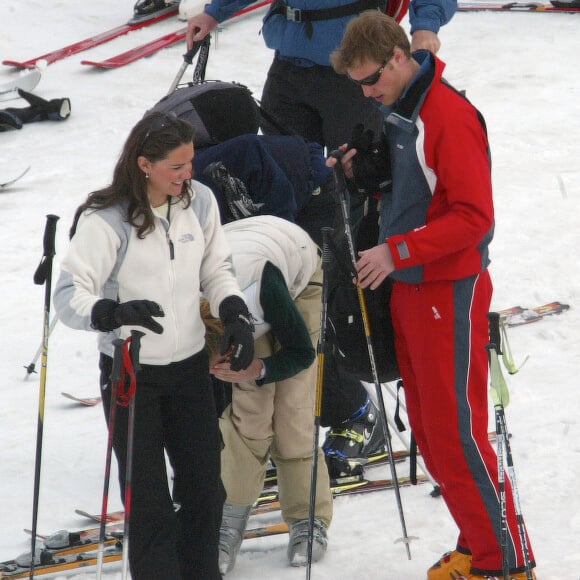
(135, 347)
(48, 249)
(188, 56)
(494, 331)
(326, 251)
(117, 360)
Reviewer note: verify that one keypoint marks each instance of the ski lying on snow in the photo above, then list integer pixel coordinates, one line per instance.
(157, 44)
(26, 82)
(268, 500)
(13, 180)
(91, 42)
(54, 564)
(88, 401)
(142, 51)
(518, 315)
(514, 7)
(82, 549)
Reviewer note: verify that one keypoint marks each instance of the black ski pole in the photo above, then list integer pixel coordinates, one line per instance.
(116, 377)
(131, 364)
(43, 275)
(188, 59)
(326, 232)
(341, 188)
(500, 398)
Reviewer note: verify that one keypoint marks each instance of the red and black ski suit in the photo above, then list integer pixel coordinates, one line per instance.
(438, 222)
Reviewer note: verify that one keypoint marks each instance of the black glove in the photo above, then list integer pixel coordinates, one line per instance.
(371, 165)
(109, 314)
(238, 339)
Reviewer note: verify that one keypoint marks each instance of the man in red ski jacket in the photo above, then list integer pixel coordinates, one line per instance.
(436, 225)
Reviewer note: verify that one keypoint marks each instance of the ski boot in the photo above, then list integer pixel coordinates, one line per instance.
(40, 109)
(348, 446)
(450, 565)
(147, 7)
(233, 192)
(233, 526)
(298, 542)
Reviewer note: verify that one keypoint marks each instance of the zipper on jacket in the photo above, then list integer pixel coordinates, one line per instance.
(169, 241)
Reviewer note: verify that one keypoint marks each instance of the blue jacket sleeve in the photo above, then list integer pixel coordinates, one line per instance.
(431, 14)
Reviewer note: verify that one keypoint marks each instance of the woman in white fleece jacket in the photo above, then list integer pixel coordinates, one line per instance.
(141, 250)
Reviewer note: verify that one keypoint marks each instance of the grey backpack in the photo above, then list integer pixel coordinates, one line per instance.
(217, 109)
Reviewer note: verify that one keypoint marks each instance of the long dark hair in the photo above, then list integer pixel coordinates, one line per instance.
(154, 137)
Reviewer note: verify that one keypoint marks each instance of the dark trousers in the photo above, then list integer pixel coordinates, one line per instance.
(316, 103)
(173, 534)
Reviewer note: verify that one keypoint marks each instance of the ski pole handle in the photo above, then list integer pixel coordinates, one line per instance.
(48, 250)
(134, 348)
(117, 369)
(494, 331)
(326, 251)
(188, 56)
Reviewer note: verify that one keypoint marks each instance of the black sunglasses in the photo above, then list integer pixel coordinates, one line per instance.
(371, 79)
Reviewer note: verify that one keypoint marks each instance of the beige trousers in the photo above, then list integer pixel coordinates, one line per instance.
(277, 420)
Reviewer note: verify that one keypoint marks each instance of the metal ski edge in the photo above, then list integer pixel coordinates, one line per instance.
(157, 44)
(90, 42)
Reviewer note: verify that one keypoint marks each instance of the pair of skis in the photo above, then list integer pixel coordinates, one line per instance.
(65, 551)
(172, 38)
(129, 56)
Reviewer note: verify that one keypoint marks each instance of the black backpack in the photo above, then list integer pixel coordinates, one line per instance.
(345, 330)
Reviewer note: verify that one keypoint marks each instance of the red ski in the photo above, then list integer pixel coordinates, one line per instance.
(153, 46)
(93, 41)
(515, 7)
(142, 51)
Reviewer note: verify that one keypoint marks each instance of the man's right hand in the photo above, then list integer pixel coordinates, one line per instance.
(345, 159)
(198, 27)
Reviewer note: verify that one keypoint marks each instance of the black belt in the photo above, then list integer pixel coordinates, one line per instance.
(299, 15)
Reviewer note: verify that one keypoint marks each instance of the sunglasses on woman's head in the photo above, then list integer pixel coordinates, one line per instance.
(159, 123)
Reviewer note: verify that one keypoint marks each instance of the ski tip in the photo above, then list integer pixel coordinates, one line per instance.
(5, 185)
(87, 401)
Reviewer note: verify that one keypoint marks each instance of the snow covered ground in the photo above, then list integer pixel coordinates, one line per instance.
(520, 69)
